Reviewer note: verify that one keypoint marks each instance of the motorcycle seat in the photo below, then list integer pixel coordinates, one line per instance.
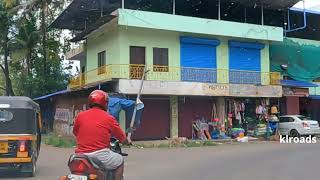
(97, 163)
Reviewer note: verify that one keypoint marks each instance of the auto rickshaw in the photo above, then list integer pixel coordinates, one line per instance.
(20, 135)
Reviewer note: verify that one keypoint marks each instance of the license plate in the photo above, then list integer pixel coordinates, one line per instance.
(22, 154)
(76, 177)
(3, 147)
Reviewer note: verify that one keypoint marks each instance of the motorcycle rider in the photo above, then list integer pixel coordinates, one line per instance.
(93, 129)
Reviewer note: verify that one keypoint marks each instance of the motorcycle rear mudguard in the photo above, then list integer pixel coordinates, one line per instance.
(110, 176)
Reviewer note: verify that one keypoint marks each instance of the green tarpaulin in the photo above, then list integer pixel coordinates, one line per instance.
(301, 56)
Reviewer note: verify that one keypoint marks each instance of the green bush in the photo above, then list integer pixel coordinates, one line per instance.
(209, 143)
(163, 145)
(59, 141)
(193, 143)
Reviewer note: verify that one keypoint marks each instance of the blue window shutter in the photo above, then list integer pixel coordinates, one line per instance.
(244, 59)
(245, 62)
(198, 56)
(198, 59)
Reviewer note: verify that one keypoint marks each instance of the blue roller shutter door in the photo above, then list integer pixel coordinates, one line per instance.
(245, 62)
(198, 59)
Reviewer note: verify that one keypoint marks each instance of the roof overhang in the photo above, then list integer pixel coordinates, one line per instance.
(100, 22)
(82, 13)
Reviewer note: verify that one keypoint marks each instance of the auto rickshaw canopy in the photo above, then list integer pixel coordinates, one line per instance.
(18, 102)
(19, 115)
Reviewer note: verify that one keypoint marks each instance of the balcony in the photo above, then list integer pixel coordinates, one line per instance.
(77, 53)
(165, 73)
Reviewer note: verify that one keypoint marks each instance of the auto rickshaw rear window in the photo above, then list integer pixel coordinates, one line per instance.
(22, 121)
(5, 116)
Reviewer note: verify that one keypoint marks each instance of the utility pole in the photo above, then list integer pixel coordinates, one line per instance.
(145, 71)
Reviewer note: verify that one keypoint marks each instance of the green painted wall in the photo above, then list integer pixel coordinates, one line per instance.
(105, 40)
(143, 19)
(149, 38)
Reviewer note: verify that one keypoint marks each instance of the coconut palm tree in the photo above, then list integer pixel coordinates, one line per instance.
(5, 24)
(26, 6)
(26, 41)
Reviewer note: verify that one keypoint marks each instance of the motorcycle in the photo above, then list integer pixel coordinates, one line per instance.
(83, 167)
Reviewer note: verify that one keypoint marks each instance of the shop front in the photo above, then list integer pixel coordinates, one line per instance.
(295, 95)
(295, 100)
(155, 121)
(204, 110)
(219, 117)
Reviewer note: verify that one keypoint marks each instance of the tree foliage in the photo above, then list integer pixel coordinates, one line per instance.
(35, 52)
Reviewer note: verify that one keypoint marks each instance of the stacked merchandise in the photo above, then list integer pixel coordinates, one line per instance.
(200, 130)
(235, 118)
(248, 115)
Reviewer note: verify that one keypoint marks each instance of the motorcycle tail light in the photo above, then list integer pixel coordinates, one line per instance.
(22, 146)
(80, 166)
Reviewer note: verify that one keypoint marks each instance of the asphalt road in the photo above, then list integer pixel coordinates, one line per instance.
(257, 161)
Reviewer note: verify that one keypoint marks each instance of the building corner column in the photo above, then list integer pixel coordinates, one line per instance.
(174, 118)
(221, 114)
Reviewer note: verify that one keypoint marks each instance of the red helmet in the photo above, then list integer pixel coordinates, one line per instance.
(98, 98)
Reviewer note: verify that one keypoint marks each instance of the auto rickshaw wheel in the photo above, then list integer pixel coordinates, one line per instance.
(33, 169)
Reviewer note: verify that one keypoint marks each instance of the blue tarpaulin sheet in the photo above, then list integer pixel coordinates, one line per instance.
(294, 83)
(315, 97)
(118, 104)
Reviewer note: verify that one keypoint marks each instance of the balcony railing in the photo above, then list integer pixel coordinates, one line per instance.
(168, 73)
(244, 77)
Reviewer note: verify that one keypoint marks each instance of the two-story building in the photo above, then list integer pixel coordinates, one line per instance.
(204, 58)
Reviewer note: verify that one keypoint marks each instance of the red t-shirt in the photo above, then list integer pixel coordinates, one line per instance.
(93, 129)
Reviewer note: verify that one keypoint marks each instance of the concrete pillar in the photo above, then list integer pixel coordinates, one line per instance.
(122, 119)
(174, 118)
(221, 109)
(223, 62)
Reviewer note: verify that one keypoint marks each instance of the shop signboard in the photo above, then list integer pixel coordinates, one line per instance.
(244, 90)
(216, 89)
(298, 92)
(198, 89)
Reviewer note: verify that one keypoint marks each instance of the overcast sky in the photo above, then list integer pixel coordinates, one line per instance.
(313, 5)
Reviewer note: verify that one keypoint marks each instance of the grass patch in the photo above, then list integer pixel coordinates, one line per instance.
(209, 143)
(185, 144)
(163, 145)
(193, 144)
(59, 141)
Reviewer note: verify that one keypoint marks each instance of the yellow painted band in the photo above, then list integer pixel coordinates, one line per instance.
(15, 160)
(18, 137)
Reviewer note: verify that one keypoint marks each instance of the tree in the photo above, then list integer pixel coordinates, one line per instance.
(2, 87)
(45, 7)
(26, 41)
(6, 21)
(34, 50)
